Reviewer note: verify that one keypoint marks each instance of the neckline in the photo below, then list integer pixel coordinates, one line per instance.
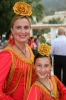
(24, 53)
(54, 92)
(30, 59)
(43, 85)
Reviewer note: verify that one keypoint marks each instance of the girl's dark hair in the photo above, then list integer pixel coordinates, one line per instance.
(37, 55)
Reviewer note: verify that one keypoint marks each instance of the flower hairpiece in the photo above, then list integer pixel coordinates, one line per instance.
(22, 8)
(44, 49)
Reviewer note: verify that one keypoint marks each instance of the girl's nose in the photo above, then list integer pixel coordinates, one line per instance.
(43, 69)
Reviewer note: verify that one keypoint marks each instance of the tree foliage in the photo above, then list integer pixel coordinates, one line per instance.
(6, 12)
(40, 31)
(55, 21)
(43, 40)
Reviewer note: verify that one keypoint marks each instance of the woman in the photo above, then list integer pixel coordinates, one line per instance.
(46, 86)
(16, 59)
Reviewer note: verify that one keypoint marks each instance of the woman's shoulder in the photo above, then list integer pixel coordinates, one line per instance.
(5, 56)
(15, 54)
(30, 50)
(5, 52)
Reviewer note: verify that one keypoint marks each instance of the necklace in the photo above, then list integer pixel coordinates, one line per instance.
(21, 51)
(51, 93)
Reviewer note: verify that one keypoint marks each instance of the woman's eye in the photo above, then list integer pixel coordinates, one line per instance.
(18, 27)
(26, 27)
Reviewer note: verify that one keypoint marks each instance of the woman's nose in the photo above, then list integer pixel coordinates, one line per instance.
(23, 30)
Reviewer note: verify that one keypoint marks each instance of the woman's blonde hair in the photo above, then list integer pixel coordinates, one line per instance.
(16, 17)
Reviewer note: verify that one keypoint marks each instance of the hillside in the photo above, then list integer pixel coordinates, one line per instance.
(53, 5)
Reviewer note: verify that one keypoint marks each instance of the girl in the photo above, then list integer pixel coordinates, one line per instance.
(46, 87)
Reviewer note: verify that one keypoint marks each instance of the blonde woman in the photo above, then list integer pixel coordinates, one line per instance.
(16, 60)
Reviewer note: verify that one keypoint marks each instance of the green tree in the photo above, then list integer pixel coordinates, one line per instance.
(43, 40)
(55, 21)
(6, 12)
(40, 31)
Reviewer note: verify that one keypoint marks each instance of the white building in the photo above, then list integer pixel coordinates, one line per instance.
(60, 14)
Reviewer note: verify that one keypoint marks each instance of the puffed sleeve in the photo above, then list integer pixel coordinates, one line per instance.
(33, 93)
(5, 64)
(61, 89)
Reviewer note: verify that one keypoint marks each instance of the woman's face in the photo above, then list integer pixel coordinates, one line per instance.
(43, 67)
(21, 30)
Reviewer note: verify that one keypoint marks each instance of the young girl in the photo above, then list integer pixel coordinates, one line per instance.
(46, 87)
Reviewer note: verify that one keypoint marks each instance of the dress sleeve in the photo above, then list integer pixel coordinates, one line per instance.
(61, 89)
(33, 93)
(5, 64)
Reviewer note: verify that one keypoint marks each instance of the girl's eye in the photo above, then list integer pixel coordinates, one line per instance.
(39, 65)
(46, 65)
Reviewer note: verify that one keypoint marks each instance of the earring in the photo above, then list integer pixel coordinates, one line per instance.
(11, 39)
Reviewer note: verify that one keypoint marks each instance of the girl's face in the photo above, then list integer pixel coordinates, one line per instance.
(43, 67)
(21, 30)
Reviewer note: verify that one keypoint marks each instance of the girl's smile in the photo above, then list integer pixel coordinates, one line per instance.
(42, 67)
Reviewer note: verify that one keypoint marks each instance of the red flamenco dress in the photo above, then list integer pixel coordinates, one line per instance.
(39, 92)
(15, 74)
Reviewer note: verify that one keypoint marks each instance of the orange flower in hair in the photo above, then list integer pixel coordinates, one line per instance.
(22, 8)
(44, 49)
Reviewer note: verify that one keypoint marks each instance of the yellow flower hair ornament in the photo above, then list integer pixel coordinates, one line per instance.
(44, 49)
(22, 8)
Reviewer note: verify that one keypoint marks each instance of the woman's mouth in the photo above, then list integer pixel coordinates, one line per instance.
(22, 36)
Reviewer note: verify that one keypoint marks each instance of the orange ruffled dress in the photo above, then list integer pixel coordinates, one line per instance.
(15, 74)
(39, 92)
